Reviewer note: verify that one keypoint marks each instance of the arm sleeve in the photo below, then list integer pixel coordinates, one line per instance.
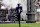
(21, 8)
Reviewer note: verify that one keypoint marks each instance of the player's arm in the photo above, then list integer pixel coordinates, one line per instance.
(21, 9)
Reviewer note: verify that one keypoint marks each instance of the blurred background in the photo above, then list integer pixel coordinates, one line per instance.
(4, 4)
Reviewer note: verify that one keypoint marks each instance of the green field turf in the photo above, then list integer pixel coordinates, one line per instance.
(22, 25)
